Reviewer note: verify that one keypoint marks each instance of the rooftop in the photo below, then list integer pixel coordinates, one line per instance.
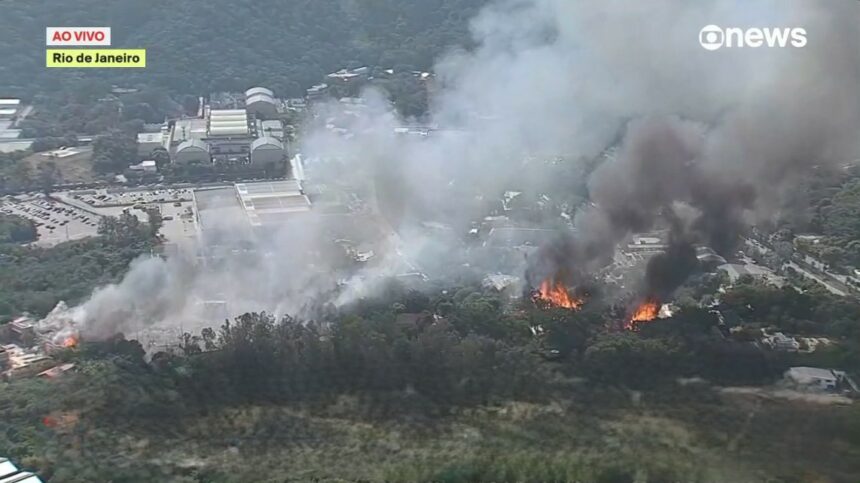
(9, 473)
(186, 129)
(228, 122)
(259, 90)
(269, 202)
(149, 137)
(812, 373)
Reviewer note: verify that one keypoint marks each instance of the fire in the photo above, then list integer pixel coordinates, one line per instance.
(556, 294)
(645, 312)
(70, 342)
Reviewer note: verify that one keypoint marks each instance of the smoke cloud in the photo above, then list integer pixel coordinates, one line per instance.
(706, 144)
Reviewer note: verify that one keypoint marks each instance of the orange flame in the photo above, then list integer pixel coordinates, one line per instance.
(70, 342)
(556, 294)
(645, 312)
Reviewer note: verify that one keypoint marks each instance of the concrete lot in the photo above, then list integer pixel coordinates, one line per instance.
(55, 221)
(103, 197)
(74, 215)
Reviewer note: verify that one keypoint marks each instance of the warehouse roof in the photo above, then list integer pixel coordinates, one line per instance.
(266, 141)
(259, 90)
(193, 144)
(260, 98)
(150, 137)
(227, 122)
(226, 112)
(271, 202)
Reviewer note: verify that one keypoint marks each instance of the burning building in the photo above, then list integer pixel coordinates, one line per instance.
(554, 293)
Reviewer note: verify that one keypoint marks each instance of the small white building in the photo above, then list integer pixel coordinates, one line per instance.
(815, 378)
(147, 142)
(148, 166)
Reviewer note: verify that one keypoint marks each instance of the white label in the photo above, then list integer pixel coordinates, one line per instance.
(77, 36)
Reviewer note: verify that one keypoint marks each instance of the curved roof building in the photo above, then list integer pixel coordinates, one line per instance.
(262, 105)
(258, 90)
(267, 150)
(192, 151)
(228, 122)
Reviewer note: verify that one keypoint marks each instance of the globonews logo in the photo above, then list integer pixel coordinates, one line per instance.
(713, 37)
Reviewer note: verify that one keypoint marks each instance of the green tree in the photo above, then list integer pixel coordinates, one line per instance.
(114, 151)
(16, 229)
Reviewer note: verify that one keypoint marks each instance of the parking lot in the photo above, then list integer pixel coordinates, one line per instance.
(74, 215)
(56, 222)
(105, 198)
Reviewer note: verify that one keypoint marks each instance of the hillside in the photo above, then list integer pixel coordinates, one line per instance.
(196, 46)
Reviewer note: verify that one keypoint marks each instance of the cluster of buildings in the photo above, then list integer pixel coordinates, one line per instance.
(352, 80)
(26, 353)
(15, 360)
(788, 343)
(249, 133)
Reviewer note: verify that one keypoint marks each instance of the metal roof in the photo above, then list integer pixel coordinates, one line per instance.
(812, 373)
(192, 143)
(228, 130)
(226, 112)
(6, 467)
(269, 202)
(266, 141)
(259, 90)
(9, 473)
(260, 98)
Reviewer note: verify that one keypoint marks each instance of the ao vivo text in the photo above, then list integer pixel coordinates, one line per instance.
(77, 36)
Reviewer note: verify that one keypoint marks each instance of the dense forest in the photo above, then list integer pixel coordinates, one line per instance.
(415, 387)
(199, 47)
(34, 279)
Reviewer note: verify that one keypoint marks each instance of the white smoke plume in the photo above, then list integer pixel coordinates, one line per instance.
(550, 78)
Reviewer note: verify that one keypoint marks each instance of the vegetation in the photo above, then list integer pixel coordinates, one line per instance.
(287, 46)
(15, 173)
(391, 395)
(34, 279)
(16, 229)
(114, 151)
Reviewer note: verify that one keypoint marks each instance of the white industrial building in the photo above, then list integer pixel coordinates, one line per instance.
(192, 151)
(267, 150)
(271, 128)
(262, 106)
(228, 123)
(232, 217)
(258, 90)
(270, 202)
(248, 136)
(261, 103)
(9, 108)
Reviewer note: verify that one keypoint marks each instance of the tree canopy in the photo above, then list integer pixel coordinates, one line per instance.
(199, 47)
